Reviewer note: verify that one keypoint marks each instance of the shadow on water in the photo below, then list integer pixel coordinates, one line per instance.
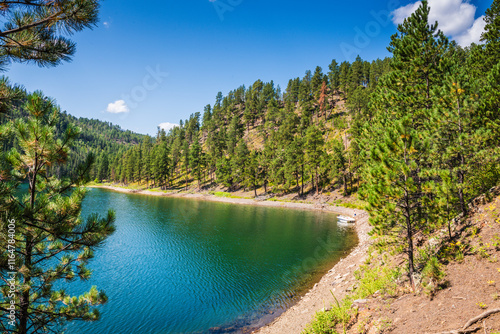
(268, 312)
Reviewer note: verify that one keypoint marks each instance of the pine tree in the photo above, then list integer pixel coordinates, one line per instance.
(103, 167)
(356, 74)
(207, 116)
(32, 29)
(234, 134)
(316, 82)
(196, 160)
(398, 180)
(264, 160)
(52, 242)
(340, 164)
(251, 170)
(491, 35)
(8, 95)
(334, 76)
(146, 154)
(323, 99)
(223, 172)
(164, 169)
(294, 164)
(185, 161)
(240, 162)
(314, 149)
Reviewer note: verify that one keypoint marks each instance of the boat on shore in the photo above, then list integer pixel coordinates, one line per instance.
(345, 220)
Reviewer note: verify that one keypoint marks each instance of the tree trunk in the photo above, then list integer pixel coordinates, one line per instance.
(24, 301)
(344, 177)
(411, 266)
(317, 181)
(302, 181)
(298, 184)
(462, 163)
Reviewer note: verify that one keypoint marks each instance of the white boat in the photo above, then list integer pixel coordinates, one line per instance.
(345, 220)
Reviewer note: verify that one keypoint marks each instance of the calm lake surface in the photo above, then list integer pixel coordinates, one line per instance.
(191, 266)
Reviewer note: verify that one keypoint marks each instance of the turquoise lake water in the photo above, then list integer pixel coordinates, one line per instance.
(191, 266)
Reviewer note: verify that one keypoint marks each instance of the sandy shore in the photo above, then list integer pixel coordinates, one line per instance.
(337, 280)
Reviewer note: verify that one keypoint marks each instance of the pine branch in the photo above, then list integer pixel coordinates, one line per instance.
(32, 25)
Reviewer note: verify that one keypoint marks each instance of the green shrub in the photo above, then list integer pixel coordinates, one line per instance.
(432, 275)
(326, 321)
(323, 323)
(377, 278)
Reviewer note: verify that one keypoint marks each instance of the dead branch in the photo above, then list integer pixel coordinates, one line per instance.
(480, 317)
(461, 331)
(472, 321)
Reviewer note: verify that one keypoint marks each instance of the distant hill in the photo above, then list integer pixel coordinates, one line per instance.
(96, 137)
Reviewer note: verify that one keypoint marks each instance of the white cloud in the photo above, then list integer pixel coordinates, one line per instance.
(106, 24)
(473, 34)
(118, 107)
(167, 126)
(455, 18)
(401, 13)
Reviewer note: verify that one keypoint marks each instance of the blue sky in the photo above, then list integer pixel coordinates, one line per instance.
(160, 61)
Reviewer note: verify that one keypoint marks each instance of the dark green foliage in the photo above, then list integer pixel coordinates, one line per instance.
(491, 36)
(430, 138)
(398, 170)
(197, 160)
(314, 152)
(52, 242)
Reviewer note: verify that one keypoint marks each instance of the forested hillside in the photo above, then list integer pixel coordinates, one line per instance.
(96, 137)
(262, 137)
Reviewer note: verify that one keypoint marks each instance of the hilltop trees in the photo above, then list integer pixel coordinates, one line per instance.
(275, 127)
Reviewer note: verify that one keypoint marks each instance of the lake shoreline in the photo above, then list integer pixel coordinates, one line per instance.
(337, 280)
(355, 213)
